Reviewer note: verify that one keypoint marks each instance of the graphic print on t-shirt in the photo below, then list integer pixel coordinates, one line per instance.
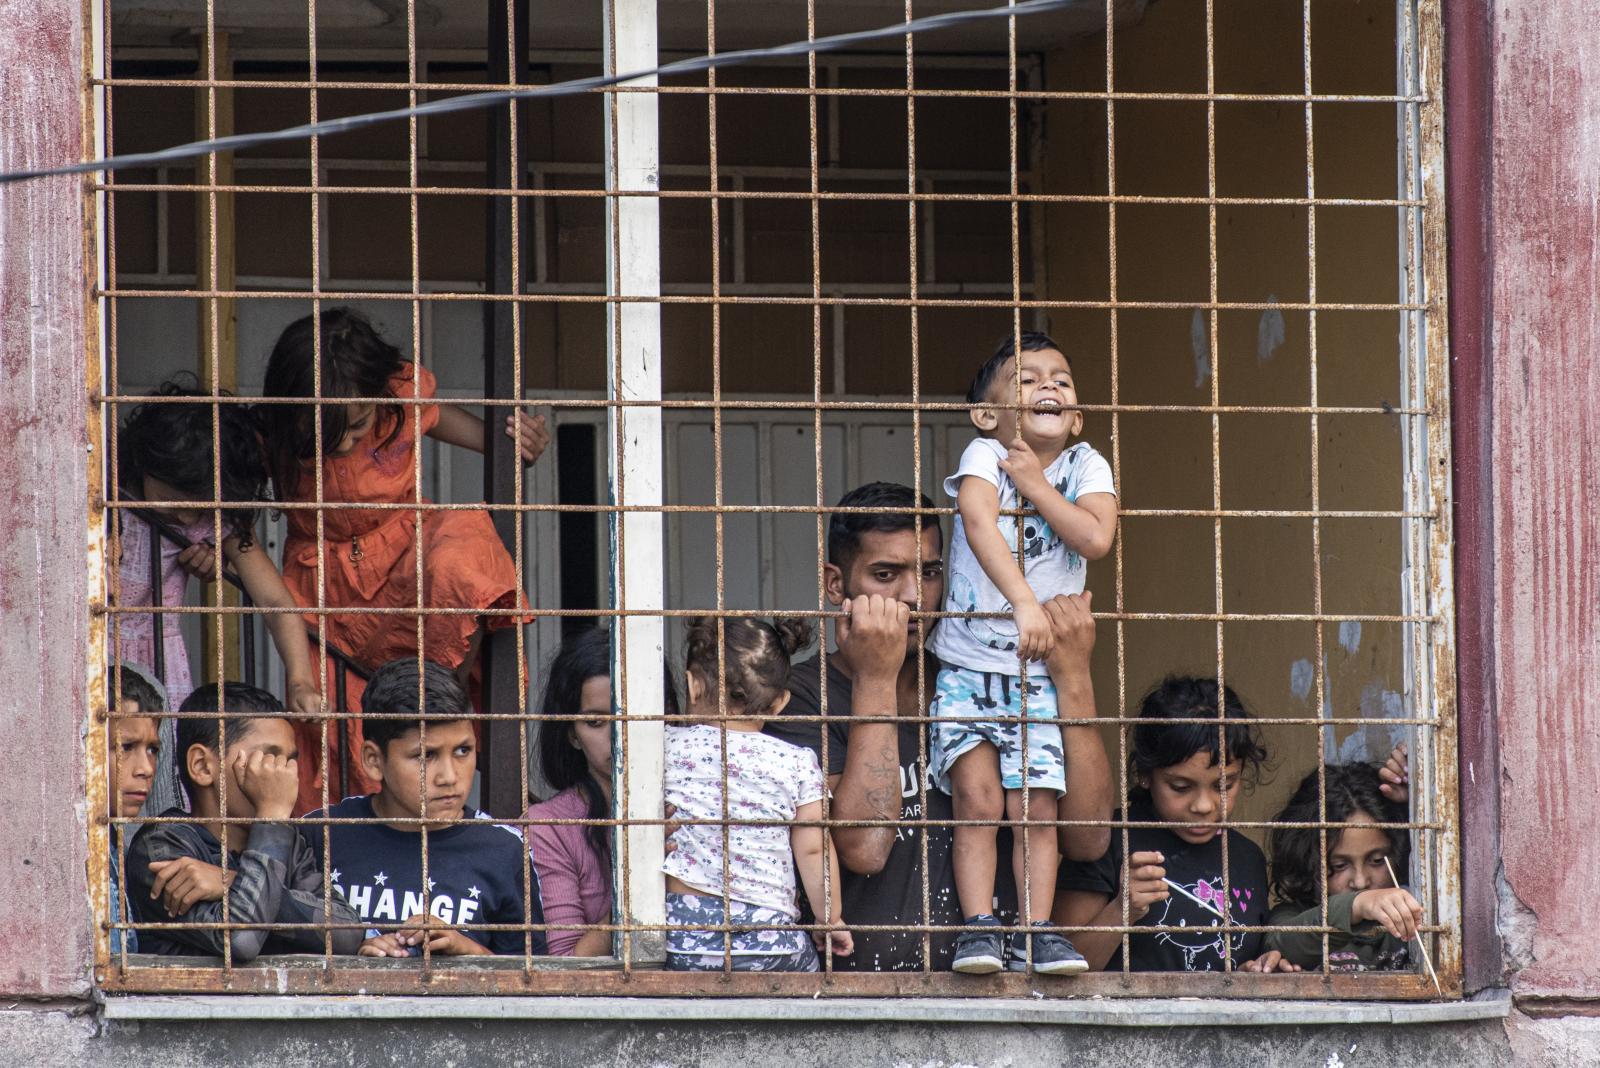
(474, 873)
(379, 902)
(1196, 901)
(1196, 941)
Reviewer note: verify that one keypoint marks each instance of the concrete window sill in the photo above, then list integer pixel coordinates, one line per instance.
(1089, 1012)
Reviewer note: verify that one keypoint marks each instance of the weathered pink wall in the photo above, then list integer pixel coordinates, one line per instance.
(1544, 455)
(44, 929)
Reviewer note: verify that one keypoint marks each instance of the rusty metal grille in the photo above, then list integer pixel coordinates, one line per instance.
(722, 241)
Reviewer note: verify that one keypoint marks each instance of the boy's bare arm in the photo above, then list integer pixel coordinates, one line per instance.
(979, 504)
(1087, 526)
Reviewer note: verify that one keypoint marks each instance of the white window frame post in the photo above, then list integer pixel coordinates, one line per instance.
(638, 574)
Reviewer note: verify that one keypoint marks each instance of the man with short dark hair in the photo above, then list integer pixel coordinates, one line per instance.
(879, 563)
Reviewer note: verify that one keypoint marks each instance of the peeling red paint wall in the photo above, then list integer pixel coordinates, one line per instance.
(1545, 465)
(44, 930)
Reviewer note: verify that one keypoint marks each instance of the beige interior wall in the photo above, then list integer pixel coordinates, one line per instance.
(1163, 356)
(1263, 357)
(764, 348)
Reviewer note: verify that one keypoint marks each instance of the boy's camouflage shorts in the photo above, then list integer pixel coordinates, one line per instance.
(967, 706)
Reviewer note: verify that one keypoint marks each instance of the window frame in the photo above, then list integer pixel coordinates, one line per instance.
(638, 483)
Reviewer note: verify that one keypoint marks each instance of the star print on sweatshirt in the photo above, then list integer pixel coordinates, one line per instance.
(474, 874)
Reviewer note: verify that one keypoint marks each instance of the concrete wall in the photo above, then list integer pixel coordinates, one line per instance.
(58, 1039)
(1264, 357)
(1544, 438)
(44, 928)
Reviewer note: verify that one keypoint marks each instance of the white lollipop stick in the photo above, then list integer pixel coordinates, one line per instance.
(1420, 944)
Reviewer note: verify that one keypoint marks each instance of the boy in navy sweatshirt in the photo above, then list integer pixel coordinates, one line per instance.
(475, 868)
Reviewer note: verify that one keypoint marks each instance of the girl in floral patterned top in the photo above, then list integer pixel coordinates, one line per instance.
(748, 828)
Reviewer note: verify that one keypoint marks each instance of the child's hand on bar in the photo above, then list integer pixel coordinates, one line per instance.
(529, 432)
(1035, 638)
(424, 930)
(304, 701)
(1396, 775)
(384, 945)
(199, 560)
(1022, 464)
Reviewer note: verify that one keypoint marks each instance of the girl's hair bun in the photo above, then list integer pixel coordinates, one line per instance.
(754, 657)
(793, 634)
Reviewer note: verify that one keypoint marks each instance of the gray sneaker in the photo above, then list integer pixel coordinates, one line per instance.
(1053, 954)
(979, 950)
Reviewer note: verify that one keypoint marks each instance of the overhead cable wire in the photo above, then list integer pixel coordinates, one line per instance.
(477, 101)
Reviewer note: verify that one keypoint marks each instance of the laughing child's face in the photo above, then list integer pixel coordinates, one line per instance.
(444, 772)
(1359, 858)
(1195, 792)
(135, 748)
(1048, 421)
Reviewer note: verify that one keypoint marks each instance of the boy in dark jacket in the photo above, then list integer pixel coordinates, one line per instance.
(176, 872)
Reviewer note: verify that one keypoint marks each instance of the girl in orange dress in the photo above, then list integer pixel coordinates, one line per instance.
(369, 557)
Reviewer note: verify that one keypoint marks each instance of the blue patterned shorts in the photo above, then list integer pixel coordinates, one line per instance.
(962, 692)
(691, 948)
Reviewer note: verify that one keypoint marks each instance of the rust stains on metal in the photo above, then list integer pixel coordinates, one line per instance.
(297, 975)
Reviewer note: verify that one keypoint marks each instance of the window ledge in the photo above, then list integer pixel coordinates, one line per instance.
(1088, 1012)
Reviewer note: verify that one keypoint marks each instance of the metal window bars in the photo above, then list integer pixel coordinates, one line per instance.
(639, 291)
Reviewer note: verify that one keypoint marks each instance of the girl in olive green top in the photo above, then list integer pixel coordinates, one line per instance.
(1373, 920)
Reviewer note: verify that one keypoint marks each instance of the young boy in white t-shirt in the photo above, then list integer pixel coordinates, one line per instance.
(994, 668)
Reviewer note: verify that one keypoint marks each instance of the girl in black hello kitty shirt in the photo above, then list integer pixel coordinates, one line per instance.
(1186, 776)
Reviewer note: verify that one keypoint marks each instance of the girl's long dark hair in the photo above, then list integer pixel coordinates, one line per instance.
(1296, 852)
(172, 442)
(357, 364)
(582, 657)
(1158, 743)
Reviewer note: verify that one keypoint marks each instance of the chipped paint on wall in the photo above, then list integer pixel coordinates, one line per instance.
(1200, 347)
(44, 931)
(1545, 442)
(1350, 635)
(1269, 331)
(1301, 676)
